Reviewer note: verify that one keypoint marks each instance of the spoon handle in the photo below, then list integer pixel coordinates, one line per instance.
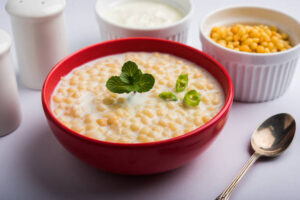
(228, 191)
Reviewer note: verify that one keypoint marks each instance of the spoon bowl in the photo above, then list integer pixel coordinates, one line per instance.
(270, 139)
(274, 135)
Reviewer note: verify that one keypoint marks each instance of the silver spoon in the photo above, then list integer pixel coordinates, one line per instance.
(270, 139)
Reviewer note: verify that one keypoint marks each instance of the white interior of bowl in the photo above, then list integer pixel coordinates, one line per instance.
(251, 16)
(184, 6)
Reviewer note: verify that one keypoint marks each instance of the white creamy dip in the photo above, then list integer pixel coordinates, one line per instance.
(142, 14)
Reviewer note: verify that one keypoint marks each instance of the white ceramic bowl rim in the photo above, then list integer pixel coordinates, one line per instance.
(185, 18)
(294, 48)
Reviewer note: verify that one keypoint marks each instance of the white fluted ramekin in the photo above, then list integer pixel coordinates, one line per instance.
(256, 77)
(177, 31)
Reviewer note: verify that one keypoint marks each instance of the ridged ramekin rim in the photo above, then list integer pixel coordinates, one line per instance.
(173, 25)
(241, 53)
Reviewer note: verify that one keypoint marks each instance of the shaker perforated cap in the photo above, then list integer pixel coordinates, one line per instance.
(34, 8)
(5, 41)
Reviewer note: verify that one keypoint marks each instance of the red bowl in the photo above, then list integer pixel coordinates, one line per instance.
(138, 158)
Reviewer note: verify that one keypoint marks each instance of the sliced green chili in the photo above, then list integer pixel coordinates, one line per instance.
(182, 82)
(192, 98)
(168, 96)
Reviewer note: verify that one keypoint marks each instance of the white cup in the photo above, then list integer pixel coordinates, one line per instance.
(257, 77)
(177, 31)
(10, 114)
(40, 38)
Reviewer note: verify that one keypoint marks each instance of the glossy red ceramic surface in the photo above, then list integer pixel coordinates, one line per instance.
(141, 158)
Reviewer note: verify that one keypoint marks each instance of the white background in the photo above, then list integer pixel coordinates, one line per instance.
(33, 165)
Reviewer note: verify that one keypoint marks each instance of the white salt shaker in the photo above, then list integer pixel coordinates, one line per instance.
(40, 38)
(10, 114)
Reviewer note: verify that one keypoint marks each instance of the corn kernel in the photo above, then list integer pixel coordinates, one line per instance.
(108, 101)
(148, 113)
(134, 127)
(102, 122)
(145, 130)
(68, 100)
(248, 38)
(205, 119)
(89, 118)
(57, 99)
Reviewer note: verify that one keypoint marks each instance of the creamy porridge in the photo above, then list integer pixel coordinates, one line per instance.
(82, 102)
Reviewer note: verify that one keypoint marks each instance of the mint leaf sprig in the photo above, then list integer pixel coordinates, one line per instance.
(131, 80)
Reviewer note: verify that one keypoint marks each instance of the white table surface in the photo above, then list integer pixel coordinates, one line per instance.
(34, 166)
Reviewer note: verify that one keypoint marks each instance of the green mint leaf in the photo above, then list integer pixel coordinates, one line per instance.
(182, 82)
(145, 83)
(168, 96)
(130, 73)
(192, 98)
(137, 75)
(131, 80)
(125, 78)
(130, 68)
(115, 85)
